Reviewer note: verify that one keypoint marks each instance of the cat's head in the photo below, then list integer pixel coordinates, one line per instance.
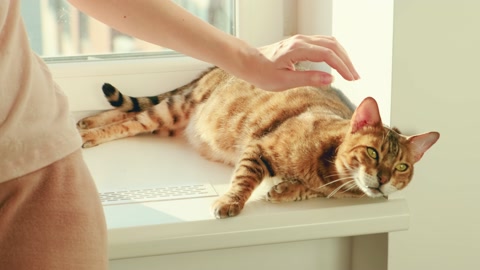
(378, 159)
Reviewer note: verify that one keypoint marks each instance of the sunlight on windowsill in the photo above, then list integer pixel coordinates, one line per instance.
(151, 162)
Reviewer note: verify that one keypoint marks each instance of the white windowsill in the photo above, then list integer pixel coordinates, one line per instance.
(156, 228)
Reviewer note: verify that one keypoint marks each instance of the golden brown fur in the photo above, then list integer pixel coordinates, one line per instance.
(308, 137)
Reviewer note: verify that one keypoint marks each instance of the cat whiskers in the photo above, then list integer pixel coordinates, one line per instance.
(334, 175)
(350, 187)
(335, 191)
(335, 181)
(350, 172)
(330, 161)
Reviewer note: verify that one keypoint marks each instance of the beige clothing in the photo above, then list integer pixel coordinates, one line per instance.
(35, 125)
(51, 219)
(50, 214)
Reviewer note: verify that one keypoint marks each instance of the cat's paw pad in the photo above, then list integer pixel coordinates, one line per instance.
(281, 192)
(87, 139)
(89, 144)
(226, 207)
(275, 194)
(85, 123)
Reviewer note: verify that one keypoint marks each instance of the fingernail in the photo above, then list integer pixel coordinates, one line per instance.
(355, 75)
(326, 79)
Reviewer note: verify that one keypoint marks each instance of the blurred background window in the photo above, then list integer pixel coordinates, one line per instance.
(57, 29)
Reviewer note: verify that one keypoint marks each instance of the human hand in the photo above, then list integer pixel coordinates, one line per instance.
(276, 71)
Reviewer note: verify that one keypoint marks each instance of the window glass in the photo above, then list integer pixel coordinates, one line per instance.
(57, 29)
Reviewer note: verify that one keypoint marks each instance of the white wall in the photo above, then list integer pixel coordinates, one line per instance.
(364, 28)
(436, 63)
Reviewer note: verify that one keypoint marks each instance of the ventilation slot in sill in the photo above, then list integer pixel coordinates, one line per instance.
(157, 194)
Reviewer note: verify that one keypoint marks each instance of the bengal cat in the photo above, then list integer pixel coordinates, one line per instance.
(310, 138)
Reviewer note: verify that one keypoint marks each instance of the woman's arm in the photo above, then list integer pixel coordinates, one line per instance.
(166, 24)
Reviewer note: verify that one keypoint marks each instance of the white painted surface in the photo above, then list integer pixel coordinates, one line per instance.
(260, 22)
(331, 254)
(82, 81)
(365, 29)
(370, 252)
(435, 87)
(177, 226)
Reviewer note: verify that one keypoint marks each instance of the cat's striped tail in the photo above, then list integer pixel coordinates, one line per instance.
(127, 103)
(137, 104)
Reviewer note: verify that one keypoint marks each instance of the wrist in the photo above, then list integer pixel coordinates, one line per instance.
(241, 60)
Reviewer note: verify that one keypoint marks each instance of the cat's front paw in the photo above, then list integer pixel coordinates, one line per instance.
(85, 123)
(275, 194)
(286, 191)
(226, 206)
(88, 138)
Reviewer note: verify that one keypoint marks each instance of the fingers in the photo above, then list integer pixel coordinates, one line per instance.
(276, 66)
(332, 44)
(290, 79)
(318, 49)
(322, 54)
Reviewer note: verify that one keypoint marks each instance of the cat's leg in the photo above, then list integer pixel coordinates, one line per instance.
(288, 191)
(104, 118)
(140, 123)
(161, 117)
(249, 172)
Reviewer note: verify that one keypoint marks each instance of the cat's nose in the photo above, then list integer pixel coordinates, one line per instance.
(383, 178)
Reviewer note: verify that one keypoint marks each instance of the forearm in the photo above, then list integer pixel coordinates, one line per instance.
(164, 23)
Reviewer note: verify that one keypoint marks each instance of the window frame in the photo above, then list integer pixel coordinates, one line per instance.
(369, 41)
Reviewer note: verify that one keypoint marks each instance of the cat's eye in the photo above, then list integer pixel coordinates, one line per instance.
(372, 153)
(401, 167)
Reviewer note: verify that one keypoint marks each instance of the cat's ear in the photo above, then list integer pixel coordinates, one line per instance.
(422, 142)
(366, 114)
